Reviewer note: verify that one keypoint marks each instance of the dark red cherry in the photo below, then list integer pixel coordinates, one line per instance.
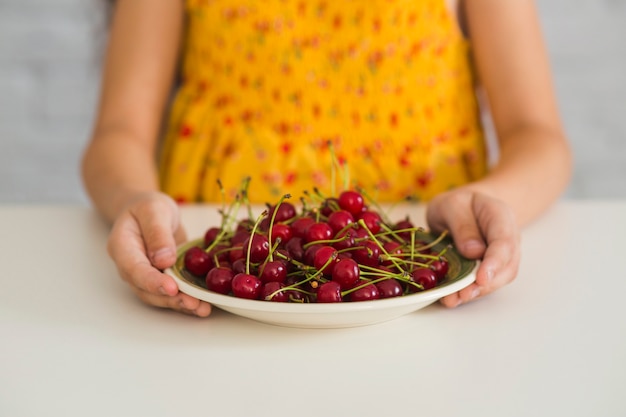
(351, 201)
(273, 271)
(440, 267)
(423, 276)
(329, 292)
(219, 280)
(197, 261)
(294, 248)
(347, 240)
(236, 252)
(210, 235)
(366, 293)
(403, 225)
(300, 226)
(368, 253)
(240, 236)
(271, 291)
(309, 254)
(246, 286)
(259, 249)
(328, 206)
(389, 288)
(284, 212)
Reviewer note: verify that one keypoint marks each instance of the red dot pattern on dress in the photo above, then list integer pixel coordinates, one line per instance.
(267, 84)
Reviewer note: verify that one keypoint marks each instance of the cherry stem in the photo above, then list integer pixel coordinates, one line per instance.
(227, 220)
(269, 234)
(307, 279)
(317, 242)
(245, 185)
(361, 223)
(256, 224)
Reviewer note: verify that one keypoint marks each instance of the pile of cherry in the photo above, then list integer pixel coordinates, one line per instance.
(338, 250)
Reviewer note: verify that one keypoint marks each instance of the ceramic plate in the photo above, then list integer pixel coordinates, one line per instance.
(461, 273)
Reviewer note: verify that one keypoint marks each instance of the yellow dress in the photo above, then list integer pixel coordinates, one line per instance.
(266, 85)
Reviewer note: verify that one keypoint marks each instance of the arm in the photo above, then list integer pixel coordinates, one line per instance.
(534, 164)
(119, 164)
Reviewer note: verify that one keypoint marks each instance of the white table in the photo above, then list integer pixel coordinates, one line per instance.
(76, 342)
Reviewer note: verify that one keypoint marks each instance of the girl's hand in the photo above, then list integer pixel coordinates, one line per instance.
(484, 228)
(142, 243)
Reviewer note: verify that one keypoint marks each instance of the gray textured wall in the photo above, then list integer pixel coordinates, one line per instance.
(49, 52)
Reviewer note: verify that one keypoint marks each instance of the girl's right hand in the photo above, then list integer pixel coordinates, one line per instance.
(142, 243)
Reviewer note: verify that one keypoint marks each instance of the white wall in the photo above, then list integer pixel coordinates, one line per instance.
(49, 52)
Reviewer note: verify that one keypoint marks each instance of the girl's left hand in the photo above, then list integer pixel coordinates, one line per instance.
(482, 227)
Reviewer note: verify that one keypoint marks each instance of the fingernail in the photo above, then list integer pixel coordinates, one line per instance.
(475, 293)
(489, 274)
(162, 255)
(162, 291)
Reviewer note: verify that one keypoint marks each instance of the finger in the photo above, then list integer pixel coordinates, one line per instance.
(503, 246)
(454, 213)
(158, 222)
(181, 302)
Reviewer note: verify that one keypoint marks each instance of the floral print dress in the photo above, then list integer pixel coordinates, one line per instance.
(266, 86)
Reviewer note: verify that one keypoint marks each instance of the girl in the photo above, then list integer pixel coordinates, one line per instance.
(262, 86)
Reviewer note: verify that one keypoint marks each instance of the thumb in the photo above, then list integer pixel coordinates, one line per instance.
(159, 222)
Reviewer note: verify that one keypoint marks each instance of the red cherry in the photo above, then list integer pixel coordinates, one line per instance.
(282, 231)
(329, 292)
(351, 201)
(197, 261)
(219, 280)
(346, 273)
(246, 286)
(367, 254)
(319, 231)
(372, 221)
(338, 220)
(322, 259)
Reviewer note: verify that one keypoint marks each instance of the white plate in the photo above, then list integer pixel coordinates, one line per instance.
(462, 273)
